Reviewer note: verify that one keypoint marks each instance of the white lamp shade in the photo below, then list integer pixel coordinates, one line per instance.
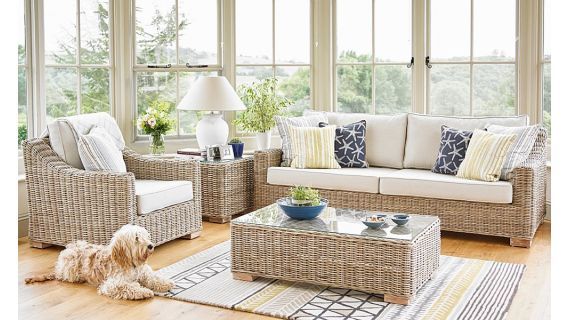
(211, 94)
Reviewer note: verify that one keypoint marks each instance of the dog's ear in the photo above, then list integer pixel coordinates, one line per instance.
(120, 253)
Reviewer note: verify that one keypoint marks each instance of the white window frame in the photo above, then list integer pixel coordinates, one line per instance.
(27, 65)
(542, 61)
(176, 68)
(471, 62)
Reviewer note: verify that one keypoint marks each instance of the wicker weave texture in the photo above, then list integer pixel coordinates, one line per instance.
(395, 267)
(519, 219)
(67, 204)
(227, 187)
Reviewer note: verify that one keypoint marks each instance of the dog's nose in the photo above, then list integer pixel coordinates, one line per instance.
(150, 246)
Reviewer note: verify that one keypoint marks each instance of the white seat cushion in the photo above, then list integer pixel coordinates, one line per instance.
(427, 184)
(155, 194)
(346, 179)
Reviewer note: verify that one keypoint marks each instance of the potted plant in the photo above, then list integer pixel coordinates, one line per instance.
(262, 105)
(155, 122)
(304, 196)
(237, 146)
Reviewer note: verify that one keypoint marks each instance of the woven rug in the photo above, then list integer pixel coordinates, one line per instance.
(461, 289)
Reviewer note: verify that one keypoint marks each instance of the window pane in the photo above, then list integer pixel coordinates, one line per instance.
(94, 90)
(21, 33)
(294, 83)
(156, 31)
(494, 89)
(153, 87)
(449, 89)
(198, 32)
(494, 41)
(22, 105)
(94, 21)
(546, 111)
(61, 92)
(354, 30)
(450, 30)
(292, 40)
(189, 119)
(354, 89)
(60, 31)
(254, 31)
(248, 75)
(393, 89)
(546, 31)
(393, 23)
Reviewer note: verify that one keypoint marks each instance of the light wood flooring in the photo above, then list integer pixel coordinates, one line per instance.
(55, 300)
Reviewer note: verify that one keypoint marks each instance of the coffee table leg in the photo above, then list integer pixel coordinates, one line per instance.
(397, 299)
(243, 276)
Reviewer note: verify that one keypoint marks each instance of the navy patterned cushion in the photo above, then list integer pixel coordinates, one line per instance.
(350, 145)
(452, 149)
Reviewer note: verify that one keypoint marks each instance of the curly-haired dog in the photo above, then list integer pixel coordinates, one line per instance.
(119, 269)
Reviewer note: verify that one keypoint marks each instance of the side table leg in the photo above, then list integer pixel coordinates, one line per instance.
(397, 299)
(243, 276)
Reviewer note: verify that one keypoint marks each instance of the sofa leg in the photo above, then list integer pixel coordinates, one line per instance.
(192, 235)
(519, 242)
(39, 245)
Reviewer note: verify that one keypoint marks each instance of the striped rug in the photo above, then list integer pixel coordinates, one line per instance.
(461, 289)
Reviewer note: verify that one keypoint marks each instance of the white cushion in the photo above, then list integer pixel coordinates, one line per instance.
(156, 194)
(427, 184)
(424, 133)
(346, 179)
(385, 136)
(98, 152)
(64, 134)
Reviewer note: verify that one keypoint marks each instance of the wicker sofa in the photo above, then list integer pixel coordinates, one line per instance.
(516, 215)
(68, 203)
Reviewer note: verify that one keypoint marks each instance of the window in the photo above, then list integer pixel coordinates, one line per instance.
(473, 62)
(373, 50)
(273, 39)
(23, 74)
(77, 36)
(176, 42)
(545, 66)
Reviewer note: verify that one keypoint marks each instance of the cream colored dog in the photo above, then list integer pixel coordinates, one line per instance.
(119, 269)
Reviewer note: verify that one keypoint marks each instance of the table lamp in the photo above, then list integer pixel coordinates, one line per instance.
(211, 94)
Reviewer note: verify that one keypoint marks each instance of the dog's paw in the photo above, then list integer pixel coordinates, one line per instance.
(144, 294)
(164, 285)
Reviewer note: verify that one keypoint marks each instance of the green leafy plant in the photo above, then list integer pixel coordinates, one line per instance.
(305, 194)
(263, 104)
(235, 140)
(22, 133)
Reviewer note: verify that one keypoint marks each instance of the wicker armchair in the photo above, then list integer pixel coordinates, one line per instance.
(68, 204)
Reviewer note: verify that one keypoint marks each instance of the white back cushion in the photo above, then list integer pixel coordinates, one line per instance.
(424, 133)
(64, 134)
(385, 136)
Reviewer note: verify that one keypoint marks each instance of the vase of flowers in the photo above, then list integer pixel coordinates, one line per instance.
(156, 123)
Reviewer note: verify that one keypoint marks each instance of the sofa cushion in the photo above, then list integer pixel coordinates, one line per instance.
(283, 124)
(427, 184)
(345, 179)
(452, 149)
(156, 194)
(350, 145)
(385, 136)
(313, 147)
(424, 132)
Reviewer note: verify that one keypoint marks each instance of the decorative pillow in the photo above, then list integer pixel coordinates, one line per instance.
(452, 149)
(282, 127)
(313, 147)
(521, 148)
(485, 156)
(350, 145)
(98, 152)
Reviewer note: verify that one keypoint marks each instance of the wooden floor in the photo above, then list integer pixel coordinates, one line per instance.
(54, 300)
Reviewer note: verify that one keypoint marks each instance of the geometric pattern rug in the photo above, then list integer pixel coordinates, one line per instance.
(461, 289)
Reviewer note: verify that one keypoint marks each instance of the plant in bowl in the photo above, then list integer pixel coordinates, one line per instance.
(237, 146)
(304, 196)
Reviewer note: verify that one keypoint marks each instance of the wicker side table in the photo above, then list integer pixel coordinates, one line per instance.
(227, 188)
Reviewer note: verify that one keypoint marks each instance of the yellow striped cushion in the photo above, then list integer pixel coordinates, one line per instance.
(313, 147)
(485, 156)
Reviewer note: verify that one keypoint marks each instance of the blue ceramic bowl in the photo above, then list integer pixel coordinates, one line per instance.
(374, 225)
(400, 219)
(301, 212)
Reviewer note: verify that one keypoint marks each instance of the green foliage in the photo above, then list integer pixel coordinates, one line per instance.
(22, 133)
(156, 121)
(235, 140)
(296, 87)
(305, 193)
(262, 103)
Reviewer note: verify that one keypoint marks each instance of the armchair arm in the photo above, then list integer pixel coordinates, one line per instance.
(262, 160)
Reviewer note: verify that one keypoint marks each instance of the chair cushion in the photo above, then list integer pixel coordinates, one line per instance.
(156, 194)
(385, 136)
(427, 184)
(424, 132)
(98, 152)
(64, 134)
(345, 179)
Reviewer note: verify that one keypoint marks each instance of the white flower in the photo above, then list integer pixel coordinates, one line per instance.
(151, 122)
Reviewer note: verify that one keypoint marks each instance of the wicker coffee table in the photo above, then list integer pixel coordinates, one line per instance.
(336, 249)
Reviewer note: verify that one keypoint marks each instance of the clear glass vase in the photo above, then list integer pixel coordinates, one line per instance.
(156, 146)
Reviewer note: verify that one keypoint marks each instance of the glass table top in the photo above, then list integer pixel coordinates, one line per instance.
(339, 221)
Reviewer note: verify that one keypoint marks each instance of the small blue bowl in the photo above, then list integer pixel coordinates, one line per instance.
(374, 225)
(400, 219)
(301, 212)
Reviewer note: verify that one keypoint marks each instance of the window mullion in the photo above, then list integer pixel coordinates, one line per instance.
(373, 82)
(78, 53)
(471, 78)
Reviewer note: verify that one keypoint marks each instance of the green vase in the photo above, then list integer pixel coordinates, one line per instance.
(156, 146)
